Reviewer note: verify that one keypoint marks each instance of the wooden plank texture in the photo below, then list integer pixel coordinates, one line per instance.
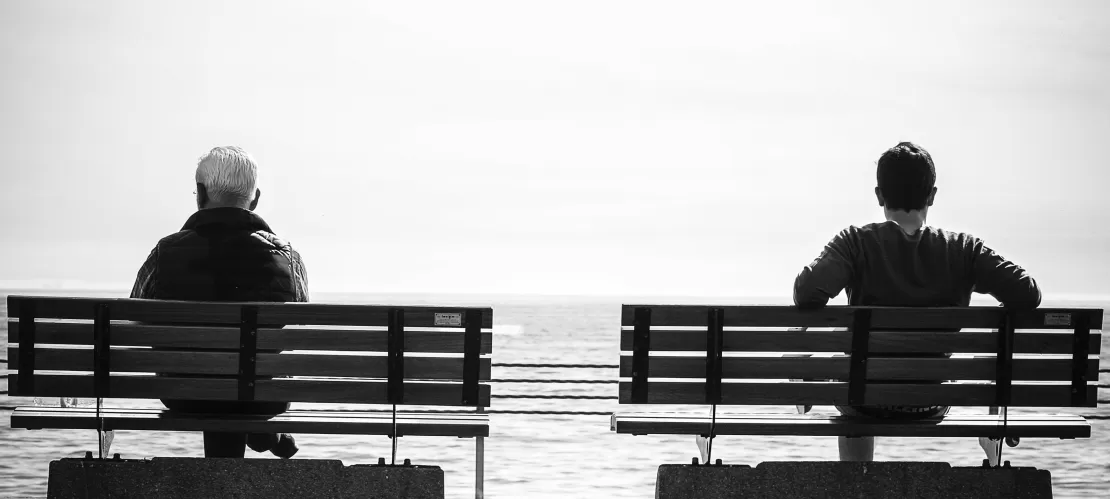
(355, 340)
(68, 333)
(361, 366)
(133, 361)
(278, 390)
(840, 316)
(364, 392)
(1024, 426)
(268, 364)
(822, 393)
(881, 341)
(299, 422)
(143, 387)
(191, 312)
(216, 337)
(1025, 369)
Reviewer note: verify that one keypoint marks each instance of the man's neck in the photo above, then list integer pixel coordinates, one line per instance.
(212, 205)
(909, 221)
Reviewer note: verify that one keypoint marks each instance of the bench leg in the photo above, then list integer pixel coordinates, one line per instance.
(703, 448)
(479, 467)
(106, 439)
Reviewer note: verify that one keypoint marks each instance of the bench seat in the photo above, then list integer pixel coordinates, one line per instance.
(294, 421)
(975, 425)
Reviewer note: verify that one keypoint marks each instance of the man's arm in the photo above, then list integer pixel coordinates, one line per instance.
(144, 281)
(300, 277)
(827, 276)
(1004, 280)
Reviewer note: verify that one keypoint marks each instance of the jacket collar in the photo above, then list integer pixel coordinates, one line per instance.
(232, 218)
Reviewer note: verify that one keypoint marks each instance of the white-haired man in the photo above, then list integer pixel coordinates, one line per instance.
(226, 252)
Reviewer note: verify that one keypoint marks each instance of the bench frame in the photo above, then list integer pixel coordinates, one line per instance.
(27, 309)
(861, 320)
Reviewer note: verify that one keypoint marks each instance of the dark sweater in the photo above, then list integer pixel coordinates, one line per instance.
(881, 265)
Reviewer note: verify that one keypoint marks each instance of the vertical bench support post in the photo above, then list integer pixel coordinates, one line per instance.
(26, 385)
(472, 349)
(857, 374)
(714, 343)
(641, 346)
(1080, 351)
(1004, 363)
(102, 321)
(102, 349)
(395, 384)
(248, 351)
(479, 464)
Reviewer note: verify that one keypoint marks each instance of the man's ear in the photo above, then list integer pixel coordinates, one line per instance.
(929, 200)
(879, 195)
(202, 196)
(257, 194)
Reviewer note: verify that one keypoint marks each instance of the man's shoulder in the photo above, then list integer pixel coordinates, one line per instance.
(952, 236)
(858, 231)
(176, 237)
(879, 228)
(272, 240)
(268, 239)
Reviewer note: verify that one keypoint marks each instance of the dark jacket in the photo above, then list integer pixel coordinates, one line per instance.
(223, 254)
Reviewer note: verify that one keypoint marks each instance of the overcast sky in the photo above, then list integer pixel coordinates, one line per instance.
(552, 147)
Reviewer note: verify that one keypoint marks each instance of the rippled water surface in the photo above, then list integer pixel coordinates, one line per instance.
(562, 456)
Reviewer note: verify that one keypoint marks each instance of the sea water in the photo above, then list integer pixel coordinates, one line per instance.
(558, 455)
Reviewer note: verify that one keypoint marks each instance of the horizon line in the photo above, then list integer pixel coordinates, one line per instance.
(11, 287)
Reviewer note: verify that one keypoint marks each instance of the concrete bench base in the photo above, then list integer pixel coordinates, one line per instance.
(239, 478)
(850, 480)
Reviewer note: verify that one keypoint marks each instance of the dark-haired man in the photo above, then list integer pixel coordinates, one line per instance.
(903, 262)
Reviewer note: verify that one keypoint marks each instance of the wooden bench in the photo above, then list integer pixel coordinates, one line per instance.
(337, 354)
(748, 355)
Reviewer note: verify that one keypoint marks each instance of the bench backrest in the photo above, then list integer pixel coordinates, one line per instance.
(85, 347)
(677, 354)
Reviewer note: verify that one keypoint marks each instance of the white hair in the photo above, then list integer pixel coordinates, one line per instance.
(229, 174)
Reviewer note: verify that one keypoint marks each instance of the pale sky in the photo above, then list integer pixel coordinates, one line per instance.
(702, 148)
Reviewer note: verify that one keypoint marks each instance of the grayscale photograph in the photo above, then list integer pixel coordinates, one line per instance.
(438, 249)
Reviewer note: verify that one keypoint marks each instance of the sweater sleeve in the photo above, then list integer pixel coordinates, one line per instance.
(828, 275)
(1004, 280)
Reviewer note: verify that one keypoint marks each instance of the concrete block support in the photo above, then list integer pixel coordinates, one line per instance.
(850, 480)
(239, 478)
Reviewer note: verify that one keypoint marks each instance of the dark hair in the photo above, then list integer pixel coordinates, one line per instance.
(906, 176)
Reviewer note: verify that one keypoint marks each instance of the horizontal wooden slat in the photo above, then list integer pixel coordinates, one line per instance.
(358, 315)
(133, 361)
(360, 366)
(299, 422)
(376, 341)
(795, 393)
(1024, 426)
(894, 368)
(839, 316)
(278, 390)
(188, 312)
(69, 333)
(364, 392)
(144, 387)
(268, 364)
(881, 341)
(216, 337)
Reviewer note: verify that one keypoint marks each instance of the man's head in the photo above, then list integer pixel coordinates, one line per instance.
(227, 177)
(906, 177)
